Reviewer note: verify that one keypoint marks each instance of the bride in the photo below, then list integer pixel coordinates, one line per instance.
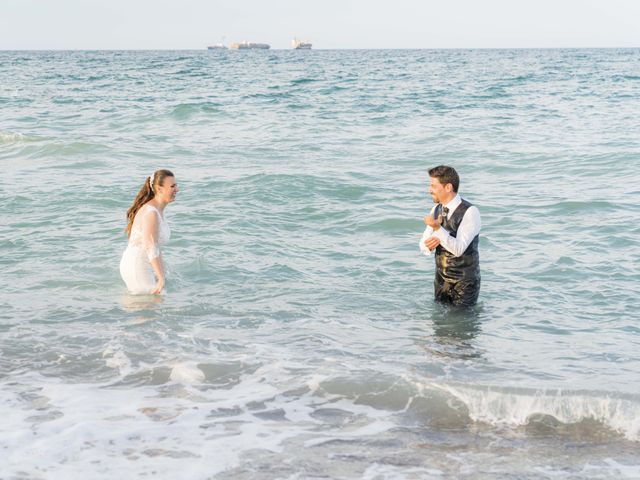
(142, 267)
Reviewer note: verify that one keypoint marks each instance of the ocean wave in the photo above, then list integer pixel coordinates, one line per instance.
(49, 150)
(333, 89)
(562, 207)
(458, 405)
(153, 427)
(303, 80)
(522, 78)
(186, 373)
(521, 406)
(270, 97)
(393, 225)
(10, 137)
(268, 187)
(623, 78)
(185, 111)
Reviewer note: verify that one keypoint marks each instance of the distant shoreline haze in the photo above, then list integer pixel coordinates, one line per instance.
(316, 49)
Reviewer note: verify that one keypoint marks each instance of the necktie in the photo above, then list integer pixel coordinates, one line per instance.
(445, 215)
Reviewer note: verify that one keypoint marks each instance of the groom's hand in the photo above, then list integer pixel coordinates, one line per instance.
(432, 222)
(431, 243)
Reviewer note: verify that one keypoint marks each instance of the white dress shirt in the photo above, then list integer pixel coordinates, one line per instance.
(467, 231)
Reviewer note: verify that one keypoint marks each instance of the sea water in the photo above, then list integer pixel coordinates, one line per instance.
(298, 337)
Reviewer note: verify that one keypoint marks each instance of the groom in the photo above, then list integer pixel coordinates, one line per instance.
(453, 230)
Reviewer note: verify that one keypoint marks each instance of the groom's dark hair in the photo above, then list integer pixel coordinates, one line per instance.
(446, 175)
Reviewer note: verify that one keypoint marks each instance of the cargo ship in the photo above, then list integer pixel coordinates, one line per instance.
(249, 46)
(300, 45)
(218, 46)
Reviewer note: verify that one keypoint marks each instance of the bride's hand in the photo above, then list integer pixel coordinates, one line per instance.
(159, 287)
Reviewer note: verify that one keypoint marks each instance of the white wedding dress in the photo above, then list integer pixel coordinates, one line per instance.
(149, 232)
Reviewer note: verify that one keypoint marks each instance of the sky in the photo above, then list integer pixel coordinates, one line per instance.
(329, 24)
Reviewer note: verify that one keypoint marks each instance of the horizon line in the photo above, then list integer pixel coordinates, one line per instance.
(205, 48)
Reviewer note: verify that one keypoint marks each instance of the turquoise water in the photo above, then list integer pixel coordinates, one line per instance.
(298, 337)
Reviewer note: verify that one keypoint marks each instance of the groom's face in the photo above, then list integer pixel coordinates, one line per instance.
(438, 191)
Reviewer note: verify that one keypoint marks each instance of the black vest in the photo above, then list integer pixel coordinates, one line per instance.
(467, 265)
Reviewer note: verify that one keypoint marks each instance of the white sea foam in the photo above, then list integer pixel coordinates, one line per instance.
(608, 468)
(14, 137)
(377, 471)
(110, 432)
(186, 373)
(496, 406)
(79, 428)
(116, 358)
(6, 137)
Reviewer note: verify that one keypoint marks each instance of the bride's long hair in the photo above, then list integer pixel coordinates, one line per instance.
(145, 194)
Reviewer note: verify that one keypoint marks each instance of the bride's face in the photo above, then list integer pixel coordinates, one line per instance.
(167, 191)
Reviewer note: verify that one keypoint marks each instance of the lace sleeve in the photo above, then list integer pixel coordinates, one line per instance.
(150, 233)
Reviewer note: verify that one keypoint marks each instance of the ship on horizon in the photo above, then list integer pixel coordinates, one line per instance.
(249, 46)
(218, 46)
(300, 45)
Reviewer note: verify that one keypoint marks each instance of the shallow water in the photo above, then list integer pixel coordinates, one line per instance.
(298, 337)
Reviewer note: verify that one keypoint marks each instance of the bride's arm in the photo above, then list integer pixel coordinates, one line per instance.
(150, 235)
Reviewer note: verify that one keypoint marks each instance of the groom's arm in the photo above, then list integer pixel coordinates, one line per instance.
(467, 231)
(427, 238)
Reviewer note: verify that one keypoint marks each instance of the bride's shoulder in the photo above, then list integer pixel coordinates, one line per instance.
(148, 208)
(150, 211)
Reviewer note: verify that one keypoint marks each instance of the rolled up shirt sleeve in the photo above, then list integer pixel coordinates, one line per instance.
(467, 231)
(428, 232)
(423, 248)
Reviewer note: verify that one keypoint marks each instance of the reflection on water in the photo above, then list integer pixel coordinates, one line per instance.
(457, 323)
(454, 331)
(146, 305)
